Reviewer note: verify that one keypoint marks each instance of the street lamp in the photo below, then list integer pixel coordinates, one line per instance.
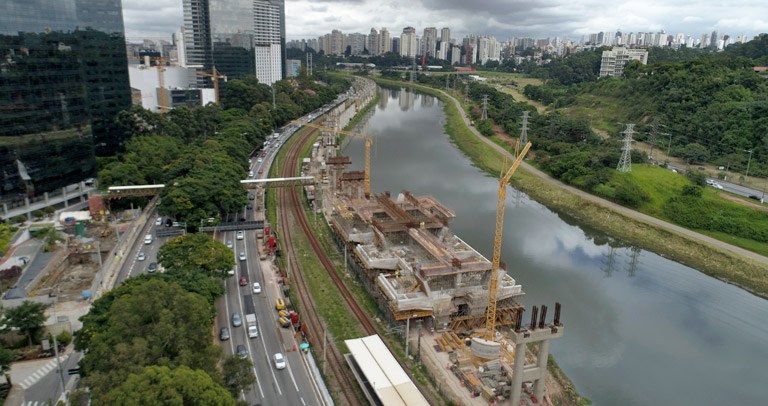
(746, 174)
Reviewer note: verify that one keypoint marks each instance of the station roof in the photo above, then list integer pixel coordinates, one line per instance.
(383, 373)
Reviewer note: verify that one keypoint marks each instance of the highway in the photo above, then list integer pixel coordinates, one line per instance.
(292, 385)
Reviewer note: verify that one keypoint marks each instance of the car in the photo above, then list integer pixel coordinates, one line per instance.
(159, 221)
(229, 244)
(261, 171)
(279, 361)
(89, 181)
(241, 256)
(717, 186)
(249, 206)
(251, 196)
(224, 334)
(260, 160)
(256, 287)
(239, 235)
(141, 256)
(237, 320)
(753, 197)
(231, 272)
(243, 280)
(241, 351)
(250, 174)
(152, 267)
(168, 222)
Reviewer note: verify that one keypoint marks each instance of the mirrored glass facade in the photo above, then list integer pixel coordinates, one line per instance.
(63, 79)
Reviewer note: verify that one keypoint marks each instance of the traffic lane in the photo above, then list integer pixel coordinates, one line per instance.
(738, 189)
(132, 251)
(47, 388)
(294, 378)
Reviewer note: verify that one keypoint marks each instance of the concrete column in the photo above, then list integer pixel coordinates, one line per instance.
(538, 385)
(26, 205)
(45, 196)
(517, 373)
(5, 210)
(64, 192)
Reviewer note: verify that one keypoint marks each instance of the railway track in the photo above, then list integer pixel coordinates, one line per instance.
(289, 198)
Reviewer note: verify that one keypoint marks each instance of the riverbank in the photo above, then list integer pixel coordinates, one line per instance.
(684, 246)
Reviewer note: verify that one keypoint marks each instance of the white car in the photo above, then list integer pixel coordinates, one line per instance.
(717, 186)
(141, 256)
(159, 221)
(256, 287)
(279, 361)
(229, 244)
(242, 256)
(231, 272)
(239, 235)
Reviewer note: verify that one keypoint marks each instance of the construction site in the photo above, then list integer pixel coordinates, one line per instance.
(424, 277)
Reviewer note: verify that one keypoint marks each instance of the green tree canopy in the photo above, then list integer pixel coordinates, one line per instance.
(238, 374)
(150, 322)
(196, 251)
(27, 317)
(161, 385)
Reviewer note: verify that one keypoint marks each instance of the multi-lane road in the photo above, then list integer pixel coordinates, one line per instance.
(292, 385)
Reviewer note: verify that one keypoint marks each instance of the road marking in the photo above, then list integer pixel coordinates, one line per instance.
(291, 374)
(269, 362)
(40, 373)
(302, 401)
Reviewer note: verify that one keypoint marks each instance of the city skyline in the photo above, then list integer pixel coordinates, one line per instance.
(305, 19)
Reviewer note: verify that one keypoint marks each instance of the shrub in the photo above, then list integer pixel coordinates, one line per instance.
(19, 219)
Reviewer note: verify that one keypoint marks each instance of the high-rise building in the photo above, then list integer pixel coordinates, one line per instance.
(238, 37)
(356, 43)
(445, 34)
(294, 66)
(430, 41)
(408, 43)
(268, 16)
(337, 43)
(613, 61)
(455, 55)
(372, 45)
(384, 42)
(63, 79)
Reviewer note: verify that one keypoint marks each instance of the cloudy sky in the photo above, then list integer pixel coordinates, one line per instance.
(502, 18)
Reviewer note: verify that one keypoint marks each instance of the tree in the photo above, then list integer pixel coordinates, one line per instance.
(238, 374)
(149, 322)
(160, 385)
(27, 317)
(196, 251)
(7, 356)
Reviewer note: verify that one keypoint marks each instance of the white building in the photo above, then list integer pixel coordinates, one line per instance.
(613, 61)
(409, 46)
(266, 39)
(147, 81)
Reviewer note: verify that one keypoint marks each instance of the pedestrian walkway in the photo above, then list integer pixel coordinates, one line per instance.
(27, 373)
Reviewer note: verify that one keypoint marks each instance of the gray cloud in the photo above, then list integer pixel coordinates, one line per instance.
(502, 18)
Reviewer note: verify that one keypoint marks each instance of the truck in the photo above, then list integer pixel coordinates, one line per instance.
(252, 325)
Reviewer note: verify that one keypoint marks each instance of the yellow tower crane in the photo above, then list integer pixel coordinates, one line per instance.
(490, 316)
(215, 76)
(368, 141)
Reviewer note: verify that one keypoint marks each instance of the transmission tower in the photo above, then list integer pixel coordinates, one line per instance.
(484, 116)
(625, 163)
(524, 133)
(309, 63)
(610, 263)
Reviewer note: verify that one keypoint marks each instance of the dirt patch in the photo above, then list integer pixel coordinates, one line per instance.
(503, 136)
(742, 201)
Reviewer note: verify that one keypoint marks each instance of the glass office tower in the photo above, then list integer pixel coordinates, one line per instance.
(63, 79)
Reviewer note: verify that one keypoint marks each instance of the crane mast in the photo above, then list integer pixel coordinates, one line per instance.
(490, 321)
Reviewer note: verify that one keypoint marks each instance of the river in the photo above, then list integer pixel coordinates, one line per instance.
(639, 329)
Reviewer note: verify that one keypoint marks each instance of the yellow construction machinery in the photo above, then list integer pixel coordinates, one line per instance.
(490, 316)
(368, 142)
(215, 76)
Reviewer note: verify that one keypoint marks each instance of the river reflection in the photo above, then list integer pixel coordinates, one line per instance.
(640, 329)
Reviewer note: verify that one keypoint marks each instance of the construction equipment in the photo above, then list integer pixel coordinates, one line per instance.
(368, 141)
(490, 316)
(215, 76)
(162, 96)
